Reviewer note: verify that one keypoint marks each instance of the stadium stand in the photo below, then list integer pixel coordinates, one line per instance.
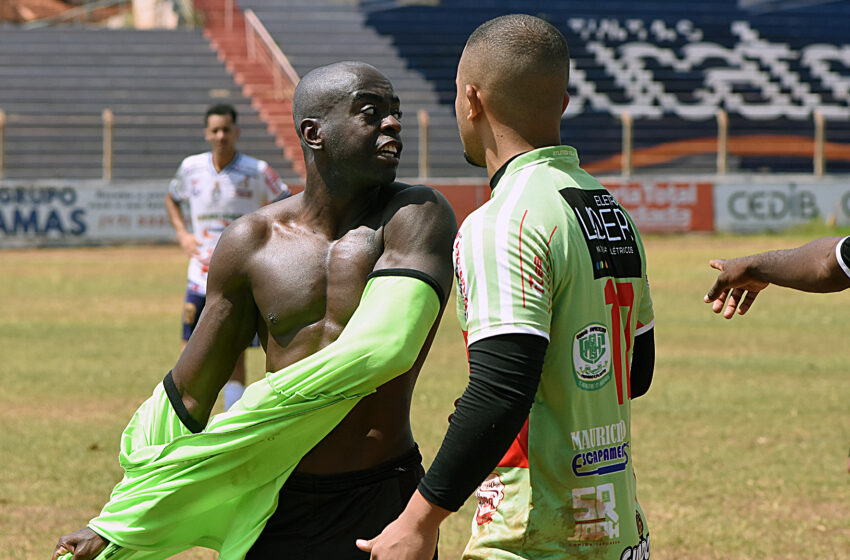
(316, 32)
(56, 82)
(769, 63)
(672, 64)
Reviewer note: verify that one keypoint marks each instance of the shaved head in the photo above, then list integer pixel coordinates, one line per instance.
(325, 87)
(521, 62)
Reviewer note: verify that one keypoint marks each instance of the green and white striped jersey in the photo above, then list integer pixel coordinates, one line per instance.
(553, 254)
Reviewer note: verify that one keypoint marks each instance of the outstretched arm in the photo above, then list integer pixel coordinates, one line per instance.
(817, 266)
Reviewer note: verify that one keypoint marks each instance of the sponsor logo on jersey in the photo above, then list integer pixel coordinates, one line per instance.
(592, 357)
(602, 450)
(490, 494)
(607, 231)
(638, 552)
(595, 515)
(243, 188)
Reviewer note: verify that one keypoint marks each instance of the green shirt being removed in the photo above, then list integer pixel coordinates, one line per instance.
(217, 488)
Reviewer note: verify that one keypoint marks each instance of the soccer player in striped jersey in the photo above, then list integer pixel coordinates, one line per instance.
(218, 186)
(554, 300)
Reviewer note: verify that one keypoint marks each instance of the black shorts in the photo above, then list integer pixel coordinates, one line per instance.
(319, 517)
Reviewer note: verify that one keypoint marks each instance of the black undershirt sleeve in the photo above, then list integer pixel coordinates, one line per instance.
(504, 372)
(643, 363)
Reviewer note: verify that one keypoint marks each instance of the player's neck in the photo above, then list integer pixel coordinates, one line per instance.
(222, 159)
(508, 142)
(336, 209)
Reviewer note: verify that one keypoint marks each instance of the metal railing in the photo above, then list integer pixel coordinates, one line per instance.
(107, 125)
(260, 45)
(818, 151)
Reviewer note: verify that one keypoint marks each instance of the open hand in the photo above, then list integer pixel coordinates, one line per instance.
(735, 288)
(189, 243)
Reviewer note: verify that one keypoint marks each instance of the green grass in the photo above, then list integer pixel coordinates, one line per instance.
(740, 446)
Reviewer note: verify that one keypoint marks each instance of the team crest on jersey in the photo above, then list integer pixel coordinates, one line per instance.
(243, 189)
(490, 494)
(592, 357)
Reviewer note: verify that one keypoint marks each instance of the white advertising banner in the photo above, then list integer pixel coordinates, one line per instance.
(773, 204)
(61, 212)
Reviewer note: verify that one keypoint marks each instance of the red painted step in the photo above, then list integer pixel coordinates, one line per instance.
(255, 77)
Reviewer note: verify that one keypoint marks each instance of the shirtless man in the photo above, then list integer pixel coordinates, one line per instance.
(294, 272)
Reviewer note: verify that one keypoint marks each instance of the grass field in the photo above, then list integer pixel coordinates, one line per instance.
(740, 447)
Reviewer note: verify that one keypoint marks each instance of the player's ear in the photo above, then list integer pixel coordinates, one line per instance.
(473, 100)
(311, 132)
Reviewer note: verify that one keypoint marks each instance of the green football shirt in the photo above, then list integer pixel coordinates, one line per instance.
(553, 254)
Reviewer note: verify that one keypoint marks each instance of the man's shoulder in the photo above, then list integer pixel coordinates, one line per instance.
(405, 191)
(251, 230)
(249, 165)
(415, 199)
(195, 161)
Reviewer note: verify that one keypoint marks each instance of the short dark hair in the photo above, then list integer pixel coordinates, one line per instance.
(523, 39)
(220, 109)
(522, 61)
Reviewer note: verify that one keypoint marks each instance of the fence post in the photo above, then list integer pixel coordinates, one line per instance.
(2, 141)
(627, 144)
(820, 133)
(424, 120)
(722, 140)
(108, 123)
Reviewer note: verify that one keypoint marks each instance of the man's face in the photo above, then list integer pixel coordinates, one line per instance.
(363, 129)
(221, 133)
(473, 151)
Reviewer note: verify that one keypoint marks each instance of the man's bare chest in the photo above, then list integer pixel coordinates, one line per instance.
(302, 281)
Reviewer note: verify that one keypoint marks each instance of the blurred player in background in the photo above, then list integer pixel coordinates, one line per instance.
(218, 186)
(821, 266)
(554, 300)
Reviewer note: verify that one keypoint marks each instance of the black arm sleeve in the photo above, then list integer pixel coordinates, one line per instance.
(643, 363)
(504, 372)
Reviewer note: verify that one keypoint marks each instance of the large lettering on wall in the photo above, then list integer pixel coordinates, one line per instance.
(36, 213)
(754, 78)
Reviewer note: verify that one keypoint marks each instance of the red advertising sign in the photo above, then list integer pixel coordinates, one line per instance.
(666, 206)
